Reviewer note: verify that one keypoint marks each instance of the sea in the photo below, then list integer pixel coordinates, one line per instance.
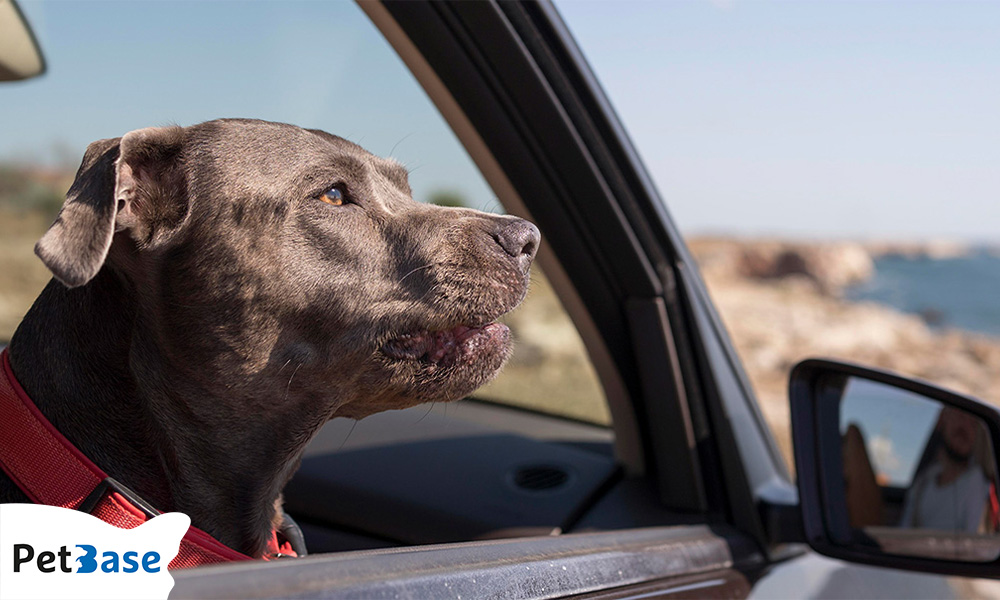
(961, 292)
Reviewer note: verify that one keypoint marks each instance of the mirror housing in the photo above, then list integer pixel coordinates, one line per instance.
(822, 446)
(20, 55)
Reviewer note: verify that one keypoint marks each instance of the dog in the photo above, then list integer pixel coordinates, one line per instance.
(223, 290)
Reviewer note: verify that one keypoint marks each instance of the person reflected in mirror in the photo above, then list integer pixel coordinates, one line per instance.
(952, 491)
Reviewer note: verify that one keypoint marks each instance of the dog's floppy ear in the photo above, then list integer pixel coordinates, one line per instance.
(76, 244)
(120, 185)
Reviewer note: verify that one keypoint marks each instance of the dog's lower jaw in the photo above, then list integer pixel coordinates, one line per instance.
(412, 382)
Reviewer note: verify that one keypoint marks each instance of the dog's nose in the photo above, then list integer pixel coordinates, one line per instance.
(519, 239)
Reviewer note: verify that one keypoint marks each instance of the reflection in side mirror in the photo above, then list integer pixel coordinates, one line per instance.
(919, 476)
(894, 472)
(20, 56)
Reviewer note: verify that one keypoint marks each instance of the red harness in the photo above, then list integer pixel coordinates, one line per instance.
(50, 470)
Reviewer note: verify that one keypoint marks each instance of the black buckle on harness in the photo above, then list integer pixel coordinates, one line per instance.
(109, 484)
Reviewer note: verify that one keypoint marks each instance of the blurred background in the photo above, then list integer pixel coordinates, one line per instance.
(834, 166)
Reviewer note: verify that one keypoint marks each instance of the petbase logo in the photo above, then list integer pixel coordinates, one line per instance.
(51, 552)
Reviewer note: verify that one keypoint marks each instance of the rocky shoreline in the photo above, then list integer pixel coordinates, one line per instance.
(782, 303)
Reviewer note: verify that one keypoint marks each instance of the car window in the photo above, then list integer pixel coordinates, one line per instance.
(198, 63)
(832, 167)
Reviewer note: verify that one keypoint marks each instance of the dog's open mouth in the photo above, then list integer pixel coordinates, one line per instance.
(450, 346)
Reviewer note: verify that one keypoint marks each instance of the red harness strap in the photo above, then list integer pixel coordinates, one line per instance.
(50, 470)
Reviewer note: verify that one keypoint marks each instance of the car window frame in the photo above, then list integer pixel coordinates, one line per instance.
(633, 291)
(536, 143)
(709, 389)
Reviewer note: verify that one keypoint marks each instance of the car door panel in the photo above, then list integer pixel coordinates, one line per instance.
(713, 585)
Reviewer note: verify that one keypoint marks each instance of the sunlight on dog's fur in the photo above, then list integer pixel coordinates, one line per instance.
(223, 290)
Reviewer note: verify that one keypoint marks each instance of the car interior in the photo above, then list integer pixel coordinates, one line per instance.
(422, 477)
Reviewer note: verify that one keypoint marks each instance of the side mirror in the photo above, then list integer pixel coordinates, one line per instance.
(895, 473)
(20, 56)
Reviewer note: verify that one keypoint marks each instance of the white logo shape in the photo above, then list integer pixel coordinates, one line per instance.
(52, 552)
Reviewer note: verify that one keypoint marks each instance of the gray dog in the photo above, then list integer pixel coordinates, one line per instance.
(223, 290)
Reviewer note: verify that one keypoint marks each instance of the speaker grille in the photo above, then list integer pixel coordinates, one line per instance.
(540, 477)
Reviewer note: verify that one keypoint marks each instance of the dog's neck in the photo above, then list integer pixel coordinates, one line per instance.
(85, 360)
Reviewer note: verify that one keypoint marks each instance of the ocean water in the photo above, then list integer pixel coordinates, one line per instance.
(962, 293)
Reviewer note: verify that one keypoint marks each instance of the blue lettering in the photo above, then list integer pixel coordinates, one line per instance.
(149, 560)
(87, 562)
(110, 564)
(130, 565)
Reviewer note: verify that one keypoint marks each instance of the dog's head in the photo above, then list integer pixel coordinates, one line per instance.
(290, 268)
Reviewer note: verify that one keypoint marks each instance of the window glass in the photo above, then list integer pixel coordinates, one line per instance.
(833, 166)
(118, 66)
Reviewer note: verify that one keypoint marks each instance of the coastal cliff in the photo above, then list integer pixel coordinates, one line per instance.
(782, 302)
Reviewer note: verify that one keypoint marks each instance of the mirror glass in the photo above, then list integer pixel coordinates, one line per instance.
(20, 57)
(920, 477)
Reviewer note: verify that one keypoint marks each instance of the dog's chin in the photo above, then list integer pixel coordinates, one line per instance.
(445, 365)
(434, 366)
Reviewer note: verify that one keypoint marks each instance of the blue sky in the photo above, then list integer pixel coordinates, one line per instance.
(838, 118)
(118, 66)
(834, 119)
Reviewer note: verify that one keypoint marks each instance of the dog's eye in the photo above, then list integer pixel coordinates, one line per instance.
(334, 196)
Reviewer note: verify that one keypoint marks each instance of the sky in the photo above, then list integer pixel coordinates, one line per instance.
(118, 66)
(837, 118)
(896, 425)
(815, 119)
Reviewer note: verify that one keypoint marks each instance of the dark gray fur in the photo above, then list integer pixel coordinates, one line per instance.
(209, 314)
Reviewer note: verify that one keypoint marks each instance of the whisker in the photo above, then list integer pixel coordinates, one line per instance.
(424, 295)
(348, 435)
(415, 270)
(400, 142)
(492, 206)
(429, 408)
(287, 387)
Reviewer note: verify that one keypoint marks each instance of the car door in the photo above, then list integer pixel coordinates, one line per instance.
(692, 460)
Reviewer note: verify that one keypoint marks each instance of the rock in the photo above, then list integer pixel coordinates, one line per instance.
(932, 249)
(775, 299)
(934, 317)
(830, 266)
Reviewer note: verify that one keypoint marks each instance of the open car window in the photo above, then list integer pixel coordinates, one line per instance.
(435, 473)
